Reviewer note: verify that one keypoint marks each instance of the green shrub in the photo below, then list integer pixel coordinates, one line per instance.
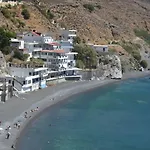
(137, 56)
(76, 40)
(36, 62)
(13, 14)
(143, 34)
(14, 21)
(21, 24)
(112, 50)
(25, 56)
(90, 7)
(23, 6)
(18, 55)
(144, 64)
(6, 50)
(6, 12)
(25, 13)
(50, 14)
(98, 6)
(9, 6)
(116, 18)
(132, 49)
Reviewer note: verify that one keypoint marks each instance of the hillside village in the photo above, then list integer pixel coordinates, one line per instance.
(57, 59)
(35, 60)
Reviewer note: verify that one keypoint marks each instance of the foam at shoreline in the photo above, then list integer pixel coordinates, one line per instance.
(59, 92)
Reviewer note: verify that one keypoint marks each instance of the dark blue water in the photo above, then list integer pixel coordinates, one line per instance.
(115, 117)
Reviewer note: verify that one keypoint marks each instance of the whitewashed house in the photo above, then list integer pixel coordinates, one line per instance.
(68, 35)
(32, 37)
(27, 78)
(19, 44)
(57, 56)
(99, 48)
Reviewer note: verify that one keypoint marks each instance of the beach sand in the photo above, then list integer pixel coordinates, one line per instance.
(14, 110)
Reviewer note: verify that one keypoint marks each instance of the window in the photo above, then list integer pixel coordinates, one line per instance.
(29, 81)
(33, 80)
(30, 73)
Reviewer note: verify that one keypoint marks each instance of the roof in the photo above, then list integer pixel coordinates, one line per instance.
(54, 44)
(36, 33)
(54, 51)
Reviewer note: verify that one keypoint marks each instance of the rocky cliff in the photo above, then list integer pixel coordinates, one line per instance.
(111, 66)
(3, 66)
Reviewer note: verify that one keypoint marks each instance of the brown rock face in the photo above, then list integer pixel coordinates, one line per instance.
(2, 64)
(110, 19)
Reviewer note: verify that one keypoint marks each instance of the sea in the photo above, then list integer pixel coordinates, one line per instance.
(112, 117)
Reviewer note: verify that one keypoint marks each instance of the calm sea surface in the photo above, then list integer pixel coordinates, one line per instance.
(115, 117)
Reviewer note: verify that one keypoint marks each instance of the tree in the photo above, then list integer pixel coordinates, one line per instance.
(25, 13)
(18, 55)
(6, 50)
(86, 54)
(76, 40)
(144, 64)
(5, 38)
(50, 14)
(90, 7)
(80, 64)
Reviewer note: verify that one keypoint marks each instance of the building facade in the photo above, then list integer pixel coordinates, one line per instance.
(28, 79)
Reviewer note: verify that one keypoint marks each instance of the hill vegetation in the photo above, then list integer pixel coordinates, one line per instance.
(98, 22)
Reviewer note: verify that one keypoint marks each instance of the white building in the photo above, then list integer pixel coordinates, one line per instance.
(37, 37)
(19, 44)
(68, 35)
(32, 37)
(28, 79)
(47, 39)
(99, 48)
(57, 56)
(55, 60)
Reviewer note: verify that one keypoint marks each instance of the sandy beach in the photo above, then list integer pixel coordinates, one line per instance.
(14, 110)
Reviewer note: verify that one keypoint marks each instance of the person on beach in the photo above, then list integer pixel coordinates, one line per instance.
(13, 146)
(0, 123)
(15, 125)
(8, 135)
(8, 128)
(18, 126)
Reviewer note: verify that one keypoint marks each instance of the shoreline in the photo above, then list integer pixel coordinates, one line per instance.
(60, 93)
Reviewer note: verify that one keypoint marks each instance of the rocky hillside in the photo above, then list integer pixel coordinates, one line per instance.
(3, 66)
(97, 21)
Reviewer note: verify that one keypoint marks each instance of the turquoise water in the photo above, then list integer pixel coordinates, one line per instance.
(115, 117)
